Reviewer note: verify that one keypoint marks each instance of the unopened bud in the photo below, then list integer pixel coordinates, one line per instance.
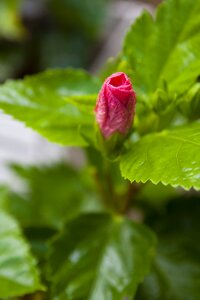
(115, 106)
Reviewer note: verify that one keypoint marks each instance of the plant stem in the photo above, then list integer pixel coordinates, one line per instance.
(111, 195)
(132, 190)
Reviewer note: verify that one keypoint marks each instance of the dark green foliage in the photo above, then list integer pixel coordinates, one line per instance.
(176, 270)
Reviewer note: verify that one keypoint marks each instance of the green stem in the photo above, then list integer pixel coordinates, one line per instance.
(100, 188)
(103, 176)
(132, 190)
(111, 195)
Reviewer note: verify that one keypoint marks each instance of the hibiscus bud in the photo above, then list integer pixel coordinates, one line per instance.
(115, 106)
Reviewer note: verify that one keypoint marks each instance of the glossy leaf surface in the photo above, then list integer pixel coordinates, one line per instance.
(41, 102)
(100, 257)
(165, 51)
(18, 273)
(171, 157)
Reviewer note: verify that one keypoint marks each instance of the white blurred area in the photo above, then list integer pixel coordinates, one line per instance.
(121, 15)
(22, 145)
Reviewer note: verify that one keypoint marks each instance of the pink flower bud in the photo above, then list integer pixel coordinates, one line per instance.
(115, 106)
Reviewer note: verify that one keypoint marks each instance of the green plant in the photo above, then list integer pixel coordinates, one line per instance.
(85, 226)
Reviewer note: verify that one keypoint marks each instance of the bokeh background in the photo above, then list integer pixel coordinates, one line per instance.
(39, 34)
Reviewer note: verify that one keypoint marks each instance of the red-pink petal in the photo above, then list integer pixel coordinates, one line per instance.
(115, 106)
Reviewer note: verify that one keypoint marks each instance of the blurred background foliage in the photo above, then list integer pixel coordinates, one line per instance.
(46, 198)
(40, 34)
(36, 35)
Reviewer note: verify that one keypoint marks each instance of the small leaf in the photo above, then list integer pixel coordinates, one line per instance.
(171, 157)
(40, 101)
(18, 272)
(100, 257)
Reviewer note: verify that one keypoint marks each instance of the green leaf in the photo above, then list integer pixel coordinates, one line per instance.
(10, 24)
(85, 103)
(171, 157)
(165, 51)
(40, 101)
(100, 257)
(3, 197)
(38, 238)
(53, 195)
(176, 271)
(18, 272)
